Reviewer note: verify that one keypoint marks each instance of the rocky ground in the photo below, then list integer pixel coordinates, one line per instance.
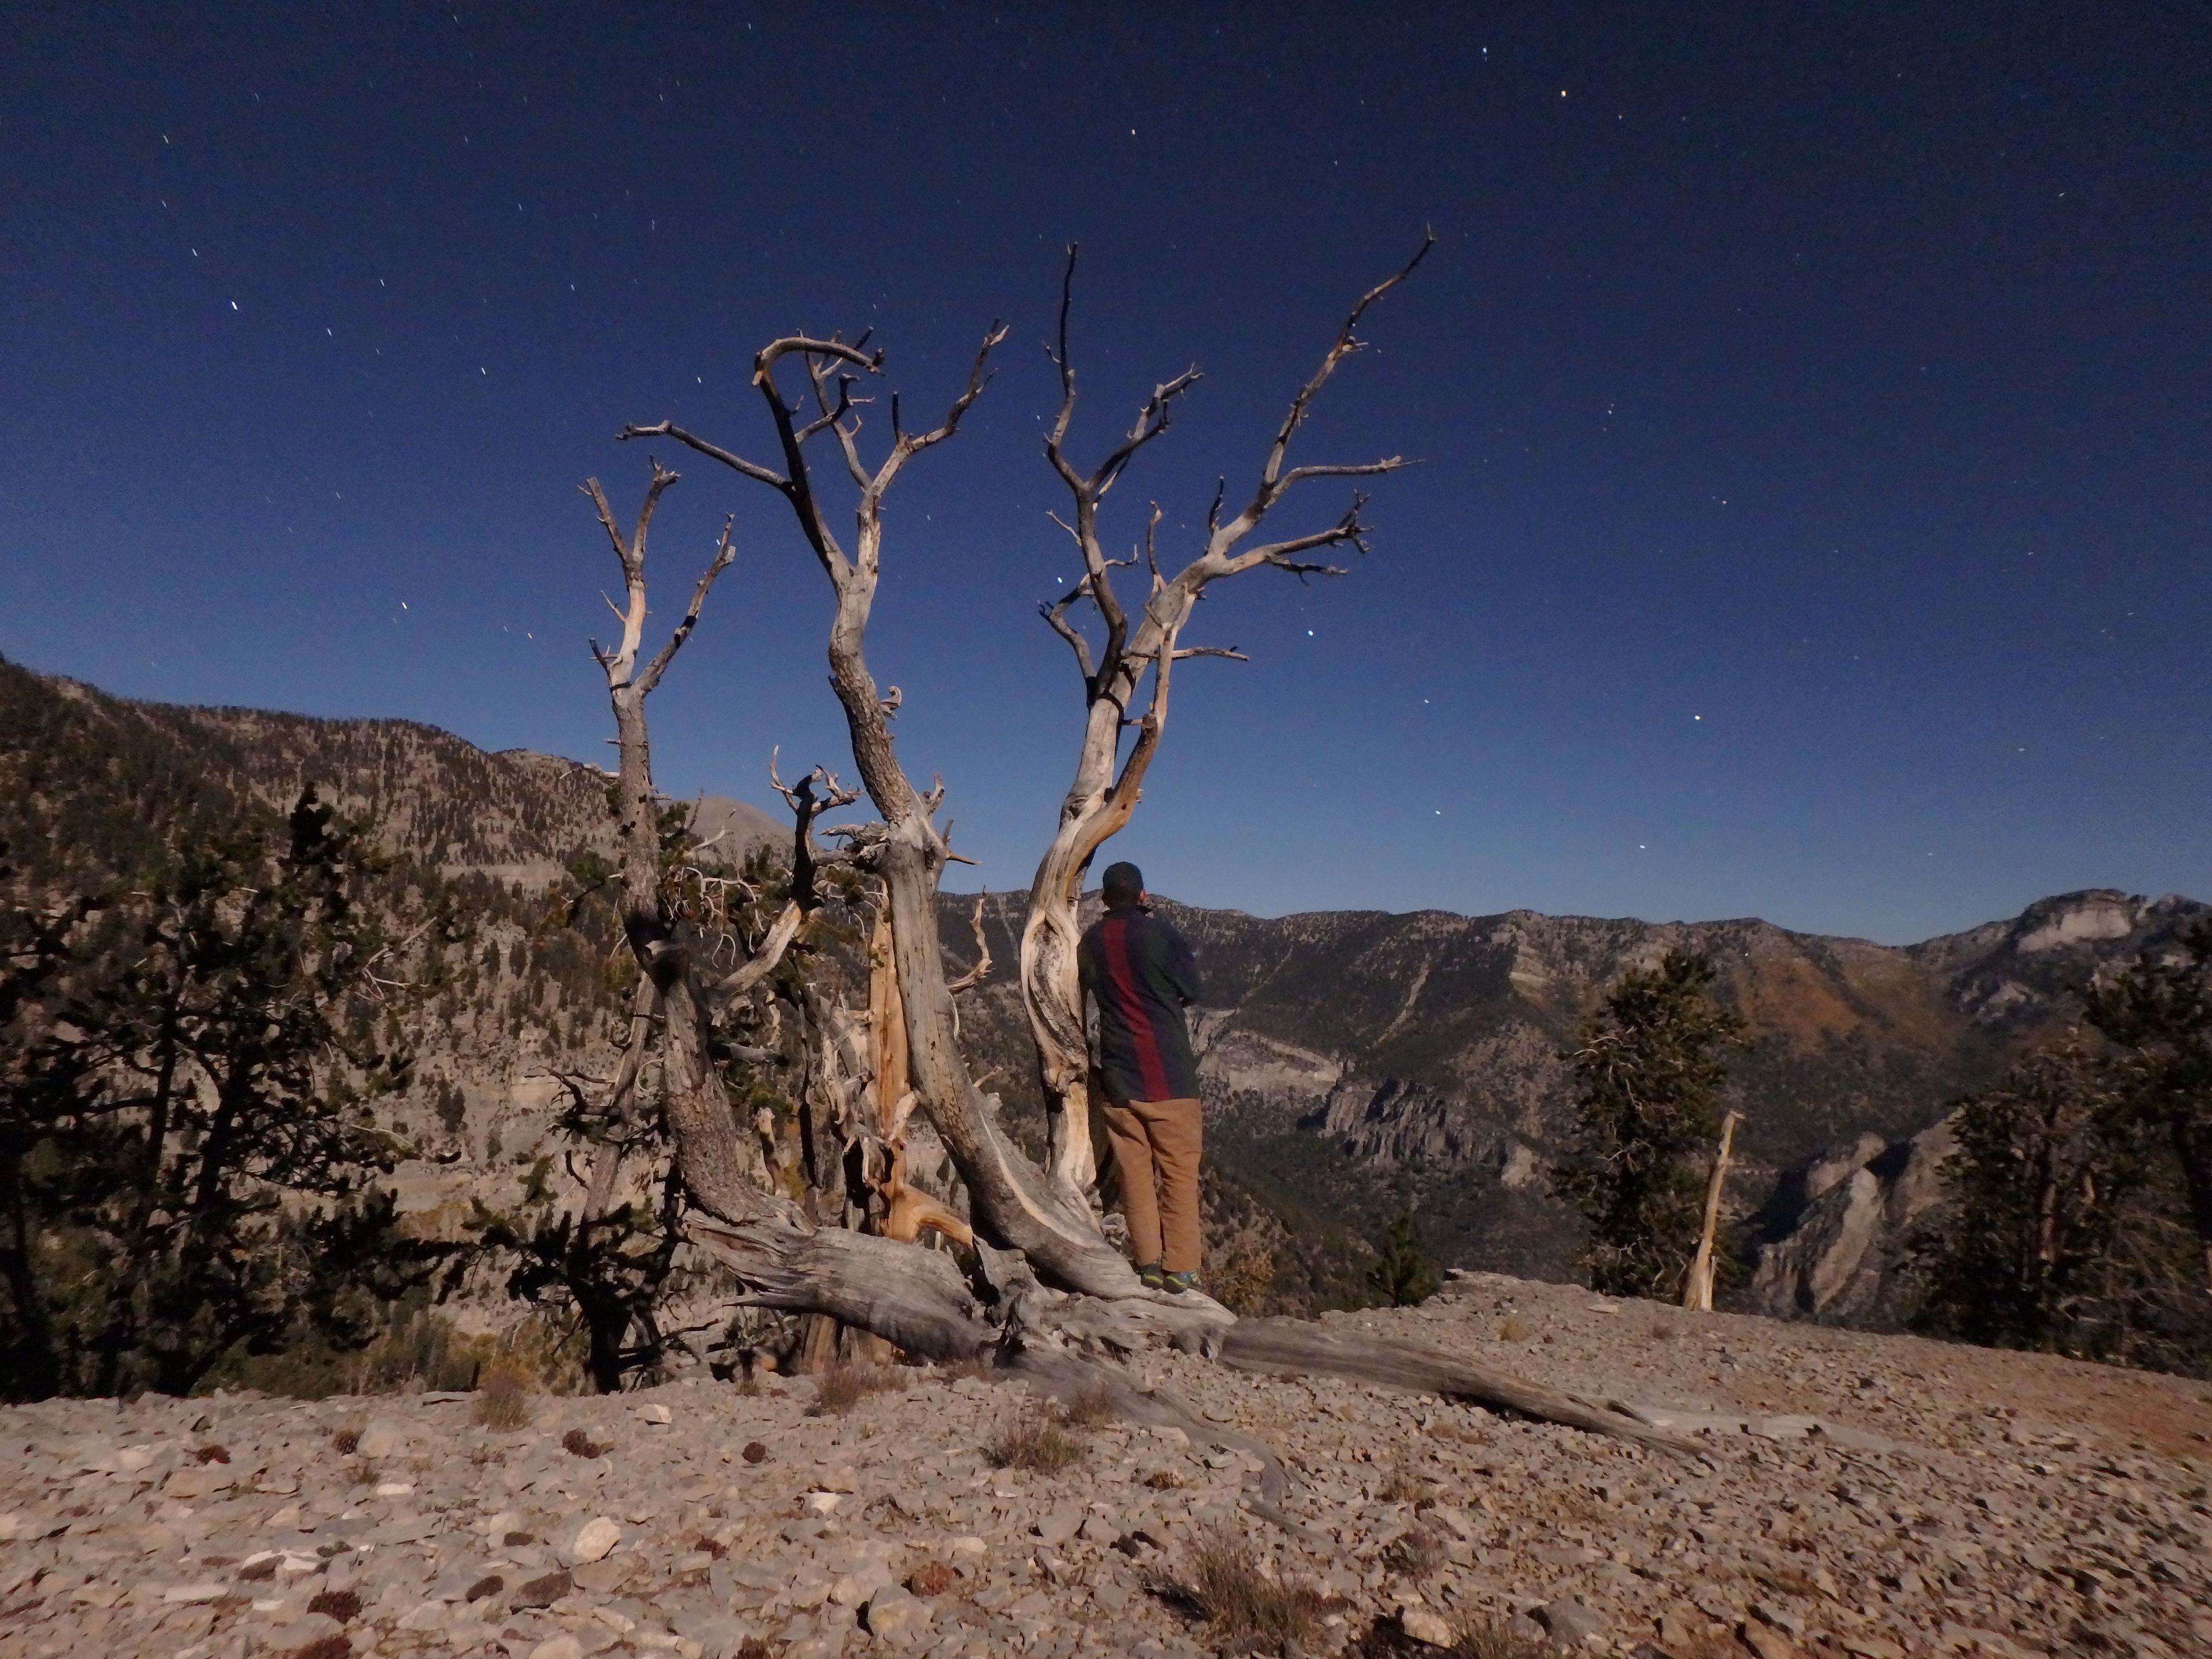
(1859, 1495)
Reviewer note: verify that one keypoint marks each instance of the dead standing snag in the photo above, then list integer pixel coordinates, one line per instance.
(1100, 799)
(1028, 1222)
(913, 1298)
(1013, 1202)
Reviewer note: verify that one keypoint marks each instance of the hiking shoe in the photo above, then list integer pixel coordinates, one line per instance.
(1176, 1284)
(1150, 1276)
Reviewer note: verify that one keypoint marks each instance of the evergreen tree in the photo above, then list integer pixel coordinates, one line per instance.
(1648, 1069)
(186, 1125)
(2048, 1162)
(2160, 1008)
(1402, 1274)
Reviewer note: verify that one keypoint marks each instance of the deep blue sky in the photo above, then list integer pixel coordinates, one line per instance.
(1817, 502)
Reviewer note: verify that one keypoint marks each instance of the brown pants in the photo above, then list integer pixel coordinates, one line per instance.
(1158, 1139)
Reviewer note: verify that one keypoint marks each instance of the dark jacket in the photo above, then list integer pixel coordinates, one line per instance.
(1141, 974)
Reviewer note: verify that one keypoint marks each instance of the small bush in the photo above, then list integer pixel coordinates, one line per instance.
(755, 1452)
(344, 1605)
(581, 1445)
(1036, 1443)
(1403, 1486)
(347, 1441)
(1245, 1608)
(1415, 1553)
(1093, 1408)
(1514, 1329)
(842, 1386)
(503, 1397)
(1167, 1481)
(204, 1454)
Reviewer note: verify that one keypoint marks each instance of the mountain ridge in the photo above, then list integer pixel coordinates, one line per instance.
(1357, 1063)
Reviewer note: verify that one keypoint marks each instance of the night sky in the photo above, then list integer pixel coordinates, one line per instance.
(1818, 486)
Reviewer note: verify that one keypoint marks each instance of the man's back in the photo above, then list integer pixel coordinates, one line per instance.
(1141, 973)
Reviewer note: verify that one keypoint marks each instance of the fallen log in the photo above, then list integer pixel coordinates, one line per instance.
(1289, 1346)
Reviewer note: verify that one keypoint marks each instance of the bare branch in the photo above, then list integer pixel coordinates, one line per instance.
(723, 555)
(712, 451)
(1055, 617)
(1229, 651)
(1272, 483)
(974, 976)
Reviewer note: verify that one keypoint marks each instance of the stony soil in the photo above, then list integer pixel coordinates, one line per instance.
(1861, 1495)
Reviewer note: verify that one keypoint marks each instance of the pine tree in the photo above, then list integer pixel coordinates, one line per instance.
(2065, 1228)
(1648, 1069)
(2160, 1008)
(187, 1136)
(1402, 1274)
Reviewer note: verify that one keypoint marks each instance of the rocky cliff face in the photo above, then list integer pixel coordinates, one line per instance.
(1357, 1063)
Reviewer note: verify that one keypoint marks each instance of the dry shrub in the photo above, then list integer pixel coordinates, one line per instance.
(843, 1385)
(1514, 1329)
(344, 1605)
(1093, 1408)
(1167, 1481)
(1036, 1443)
(347, 1441)
(1403, 1486)
(579, 1443)
(752, 1648)
(755, 1452)
(1245, 1608)
(204, 1454)
(1416, 1552)
(1240, 1281)
(503, 1396)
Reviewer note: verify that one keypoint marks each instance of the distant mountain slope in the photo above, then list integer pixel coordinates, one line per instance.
(90, 783)
(1356, 1062)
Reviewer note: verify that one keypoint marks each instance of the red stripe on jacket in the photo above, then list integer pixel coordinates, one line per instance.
(1150, 1066)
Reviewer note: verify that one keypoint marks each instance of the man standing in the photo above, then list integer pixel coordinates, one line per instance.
(1142, 975)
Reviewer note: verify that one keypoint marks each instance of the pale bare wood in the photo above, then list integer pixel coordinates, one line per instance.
(1106, 786)
(1011, 1200)
(1697, 1288)
(1291, 1346)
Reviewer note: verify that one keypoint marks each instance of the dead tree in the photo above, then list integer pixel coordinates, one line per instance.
(1100, 799)
(1015, 1204)
(913, 1298)
(1027, 1224)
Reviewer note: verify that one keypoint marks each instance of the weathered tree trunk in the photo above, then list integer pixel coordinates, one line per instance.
(1697, 1288)
(1012, 1202)
(1099, 802)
